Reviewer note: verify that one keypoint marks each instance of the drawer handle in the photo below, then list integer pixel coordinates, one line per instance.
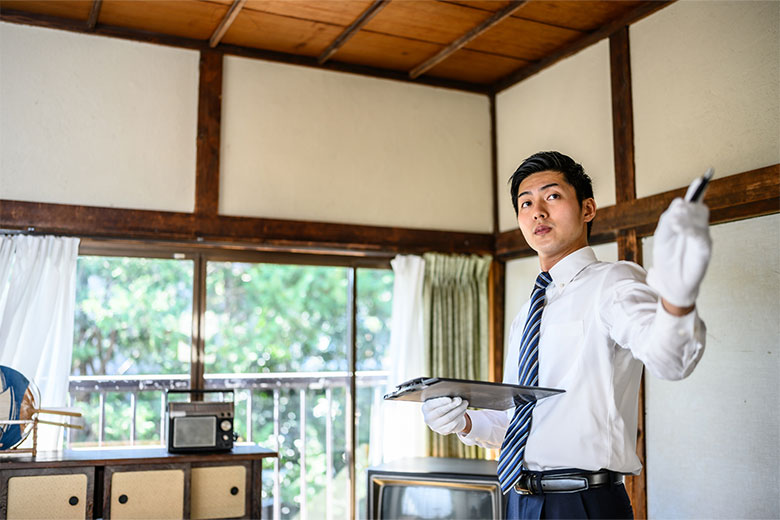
(234, 491)
(73, 501)
(123, 499)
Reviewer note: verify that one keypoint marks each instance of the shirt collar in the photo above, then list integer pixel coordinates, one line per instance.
(566, 269)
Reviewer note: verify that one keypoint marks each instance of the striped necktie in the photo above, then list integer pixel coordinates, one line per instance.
(512, 449)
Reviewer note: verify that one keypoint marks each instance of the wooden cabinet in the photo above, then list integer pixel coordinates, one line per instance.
(58, 494)
(133, 483)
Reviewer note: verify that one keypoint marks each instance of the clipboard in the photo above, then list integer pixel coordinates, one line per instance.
(479, 394)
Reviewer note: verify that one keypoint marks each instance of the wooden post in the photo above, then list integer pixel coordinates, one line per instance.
(629, 244)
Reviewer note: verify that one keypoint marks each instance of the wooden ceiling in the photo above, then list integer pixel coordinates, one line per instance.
(475, 45)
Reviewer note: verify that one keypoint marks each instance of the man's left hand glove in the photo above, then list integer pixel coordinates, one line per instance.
(681, 252)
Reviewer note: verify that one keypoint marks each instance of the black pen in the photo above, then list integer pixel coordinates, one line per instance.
(698, 186)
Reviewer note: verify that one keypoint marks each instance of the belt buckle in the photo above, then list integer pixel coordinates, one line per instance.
(519, 489)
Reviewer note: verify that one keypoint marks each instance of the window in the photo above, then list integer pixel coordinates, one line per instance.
(279, 334)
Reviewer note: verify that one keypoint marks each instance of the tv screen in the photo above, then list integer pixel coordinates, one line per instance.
(434, 489)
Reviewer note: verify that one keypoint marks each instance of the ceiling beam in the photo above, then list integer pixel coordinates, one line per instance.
(498, 16)
(645, 9)
(94, 14)
(350, 31)
(226, 22)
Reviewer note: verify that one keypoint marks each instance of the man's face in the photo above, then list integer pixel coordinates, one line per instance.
(550, 217)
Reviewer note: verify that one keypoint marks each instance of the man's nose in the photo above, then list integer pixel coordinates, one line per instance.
(540, 212)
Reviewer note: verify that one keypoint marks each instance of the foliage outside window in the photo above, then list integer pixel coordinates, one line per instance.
(134, 318)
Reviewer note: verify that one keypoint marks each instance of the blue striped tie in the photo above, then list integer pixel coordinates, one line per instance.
(512, 449)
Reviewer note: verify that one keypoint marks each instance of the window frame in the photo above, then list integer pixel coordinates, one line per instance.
(201, 253)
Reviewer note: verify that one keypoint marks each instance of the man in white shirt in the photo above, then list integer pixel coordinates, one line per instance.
(600, 323)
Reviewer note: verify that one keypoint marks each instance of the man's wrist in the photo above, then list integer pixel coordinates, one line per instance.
(675, 310)
(467, 429)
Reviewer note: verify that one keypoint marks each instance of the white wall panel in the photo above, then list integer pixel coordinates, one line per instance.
(706, 85)
(96, 121)
(568, 108)
(712, 439)
(306, 144)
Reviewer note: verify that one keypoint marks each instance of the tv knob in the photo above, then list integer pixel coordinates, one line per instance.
(225, 426)
(226, 437)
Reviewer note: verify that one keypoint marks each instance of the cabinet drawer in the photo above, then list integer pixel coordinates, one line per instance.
(47, 496)
(218, 492)
(155, 494)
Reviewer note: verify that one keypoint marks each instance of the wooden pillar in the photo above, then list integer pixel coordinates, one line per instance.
(496, 281)
(209, 116)
(629, 244)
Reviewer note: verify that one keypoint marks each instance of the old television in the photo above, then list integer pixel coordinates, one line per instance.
(433, 488)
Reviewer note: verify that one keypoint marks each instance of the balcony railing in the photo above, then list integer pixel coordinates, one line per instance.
(272, 383)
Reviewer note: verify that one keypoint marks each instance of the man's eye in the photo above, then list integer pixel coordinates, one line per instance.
(525, 204)
(554, 196)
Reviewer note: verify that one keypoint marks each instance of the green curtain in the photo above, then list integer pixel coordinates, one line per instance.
(455, 299)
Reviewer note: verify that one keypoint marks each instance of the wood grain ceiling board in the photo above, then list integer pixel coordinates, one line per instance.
(485, 5)
(188, 19)
(435, 22)
(385, 51)
(476, 67)
(337, 12)
(273, 32)
(583, 15)
(523, 39)
(71, 9)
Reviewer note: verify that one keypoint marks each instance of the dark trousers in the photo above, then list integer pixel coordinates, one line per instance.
(603, 502)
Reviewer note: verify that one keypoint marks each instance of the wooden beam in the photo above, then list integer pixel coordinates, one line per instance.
(628, 242)
(496, 305)
(497, 17)
(494, 162)
(643, 10)
(94, 14)
(226, 22)
(622, 116)
(63, 24)
(268, 234)
(736, 197)
(208, 143)
(350, 31)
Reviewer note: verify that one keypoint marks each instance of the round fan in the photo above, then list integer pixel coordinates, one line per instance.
(19, 400)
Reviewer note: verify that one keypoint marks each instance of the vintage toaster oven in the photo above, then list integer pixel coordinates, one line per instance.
(199, 425)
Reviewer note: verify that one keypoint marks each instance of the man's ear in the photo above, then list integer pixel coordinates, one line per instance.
(588, 209)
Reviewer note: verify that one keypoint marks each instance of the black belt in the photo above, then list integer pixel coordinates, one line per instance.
(537, 483)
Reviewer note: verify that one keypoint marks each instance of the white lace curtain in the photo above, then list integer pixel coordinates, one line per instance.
(37, 303)
(397, 427)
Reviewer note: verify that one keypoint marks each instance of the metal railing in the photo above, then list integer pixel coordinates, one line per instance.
(272, 383)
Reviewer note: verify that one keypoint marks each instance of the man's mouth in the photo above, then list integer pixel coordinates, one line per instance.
(542, 230)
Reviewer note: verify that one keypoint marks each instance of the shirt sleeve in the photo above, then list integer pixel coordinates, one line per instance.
(668, 345)
(487, 429)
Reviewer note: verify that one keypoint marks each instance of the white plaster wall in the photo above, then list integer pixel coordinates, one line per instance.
(713, 438)
(568, 108)
(519, 280)
(305, 144)
(96, 121)
(706, 86)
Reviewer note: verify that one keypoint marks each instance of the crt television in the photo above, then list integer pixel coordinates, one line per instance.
(433, 488)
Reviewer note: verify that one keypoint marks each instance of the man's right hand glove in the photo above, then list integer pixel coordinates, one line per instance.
(681, 252)
(445, 415)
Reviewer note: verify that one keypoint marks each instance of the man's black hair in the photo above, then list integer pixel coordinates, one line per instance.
(557, 162)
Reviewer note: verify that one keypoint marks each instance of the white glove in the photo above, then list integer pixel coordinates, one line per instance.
(445, 415)
(681, 252)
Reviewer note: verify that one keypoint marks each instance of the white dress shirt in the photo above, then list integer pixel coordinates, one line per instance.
(600, 323)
